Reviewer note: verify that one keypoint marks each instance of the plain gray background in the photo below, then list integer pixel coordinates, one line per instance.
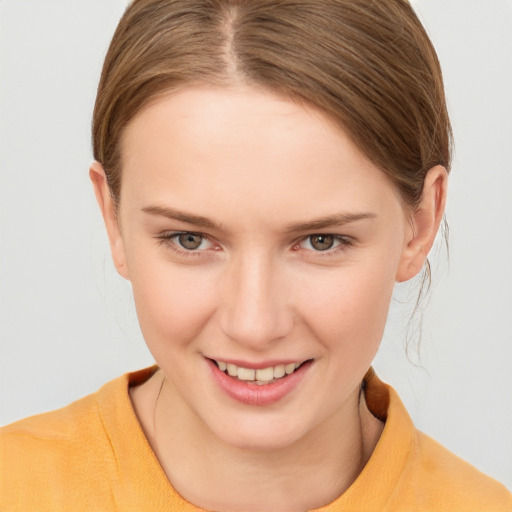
(67, 322)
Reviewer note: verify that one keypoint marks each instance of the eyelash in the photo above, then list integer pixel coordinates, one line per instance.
(168, 240)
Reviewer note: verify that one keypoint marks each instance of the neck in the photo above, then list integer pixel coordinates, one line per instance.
(217, 476)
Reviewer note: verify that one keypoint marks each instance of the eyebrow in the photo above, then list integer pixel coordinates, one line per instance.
(189, 218)
(335, 220)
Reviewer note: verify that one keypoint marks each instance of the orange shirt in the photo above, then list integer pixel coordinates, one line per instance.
(93, 456)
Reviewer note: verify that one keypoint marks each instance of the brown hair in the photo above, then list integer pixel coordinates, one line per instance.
(369, 65)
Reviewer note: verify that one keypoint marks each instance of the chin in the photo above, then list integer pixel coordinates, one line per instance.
(262, 441)
(261, 432)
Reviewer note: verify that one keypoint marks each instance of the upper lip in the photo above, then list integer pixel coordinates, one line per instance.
(259, 365)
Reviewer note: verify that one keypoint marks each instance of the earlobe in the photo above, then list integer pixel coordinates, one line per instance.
(108, 210)
(425, 222)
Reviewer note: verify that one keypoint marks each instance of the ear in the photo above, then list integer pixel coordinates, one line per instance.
(425, 221)
(108, 210)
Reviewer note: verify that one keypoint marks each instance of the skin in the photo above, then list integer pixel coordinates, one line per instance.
(257, 164)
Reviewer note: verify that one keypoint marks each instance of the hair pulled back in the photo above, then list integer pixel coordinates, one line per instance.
(368, 65)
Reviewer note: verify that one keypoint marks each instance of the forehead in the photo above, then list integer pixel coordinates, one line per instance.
(226, 116)
(248, 150)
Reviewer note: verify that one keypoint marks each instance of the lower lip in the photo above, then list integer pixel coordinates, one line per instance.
(254, 394)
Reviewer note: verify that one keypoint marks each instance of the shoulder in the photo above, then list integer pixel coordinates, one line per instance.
(61, 424)
(411, 471)
(46, 454)
(71, 424)
(54, 435)
(448, 479)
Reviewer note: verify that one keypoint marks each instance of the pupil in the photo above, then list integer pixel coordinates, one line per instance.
(190, 240)
(322, 242)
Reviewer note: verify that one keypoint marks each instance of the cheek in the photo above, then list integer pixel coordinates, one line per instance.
(173, 304)
(347, 308)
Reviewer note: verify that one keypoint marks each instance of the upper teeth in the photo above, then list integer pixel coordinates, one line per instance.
(261, 374)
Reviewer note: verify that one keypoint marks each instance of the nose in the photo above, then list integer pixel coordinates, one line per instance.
(256, 308)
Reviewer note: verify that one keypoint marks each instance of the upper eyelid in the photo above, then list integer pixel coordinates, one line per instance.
(170, 234)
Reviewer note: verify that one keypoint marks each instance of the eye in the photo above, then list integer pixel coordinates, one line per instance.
(190, 241)
(325, 243)
(186, 243)
(321, 242)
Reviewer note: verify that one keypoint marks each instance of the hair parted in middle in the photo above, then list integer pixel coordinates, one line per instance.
(369, 66)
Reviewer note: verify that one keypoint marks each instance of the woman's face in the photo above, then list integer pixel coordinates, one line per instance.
(257, 236)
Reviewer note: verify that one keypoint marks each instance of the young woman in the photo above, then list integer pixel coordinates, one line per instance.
(267, 171)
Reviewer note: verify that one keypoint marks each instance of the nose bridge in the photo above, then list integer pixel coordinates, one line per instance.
(256, 307)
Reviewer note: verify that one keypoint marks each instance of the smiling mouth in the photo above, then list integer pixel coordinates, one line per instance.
(260, 376)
